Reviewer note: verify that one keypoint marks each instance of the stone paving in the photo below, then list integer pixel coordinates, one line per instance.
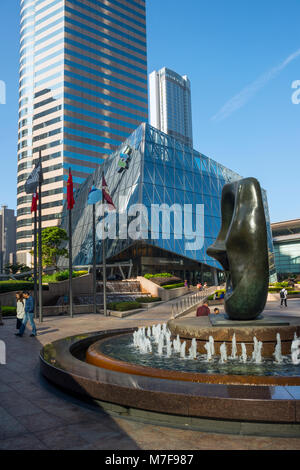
(36, 415)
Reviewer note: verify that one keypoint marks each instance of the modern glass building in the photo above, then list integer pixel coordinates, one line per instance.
(83, 90)
(286, 240)
(170, 108)
(160, 170)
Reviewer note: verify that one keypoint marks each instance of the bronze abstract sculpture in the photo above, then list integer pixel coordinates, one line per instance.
(242, 249)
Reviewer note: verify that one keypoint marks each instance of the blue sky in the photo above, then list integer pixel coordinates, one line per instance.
(241, 54)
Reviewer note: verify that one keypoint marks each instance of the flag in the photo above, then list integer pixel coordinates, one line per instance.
(33, 180)
(95, 195)
(70, 194)
(105, 192)
(35, 198)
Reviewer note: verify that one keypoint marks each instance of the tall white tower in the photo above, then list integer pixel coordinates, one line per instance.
(170, 104)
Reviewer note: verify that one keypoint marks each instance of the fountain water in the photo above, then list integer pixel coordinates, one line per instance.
(209, 354)
(161, 336)
(277, 353)
(223, 353)
(182, 350)
(177, 344)
(193, 349)
(169, 349)
(295, 350)
(256, 355)
(243, 357)
(212, 345)
(160, 344)
(233, 348)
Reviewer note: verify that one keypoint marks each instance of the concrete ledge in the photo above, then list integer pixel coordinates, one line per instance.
(147, 305)
(127, 313)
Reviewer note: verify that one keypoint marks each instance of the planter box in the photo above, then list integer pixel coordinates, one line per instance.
(148, 305)
(147, 286)
(116, 313)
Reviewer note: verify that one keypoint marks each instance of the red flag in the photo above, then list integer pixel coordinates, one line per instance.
(105, 192)
(70, 195)
(35, 198)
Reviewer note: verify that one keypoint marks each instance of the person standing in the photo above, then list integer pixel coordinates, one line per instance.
(20, 309)
(283, 297)
(203, 310)
(29, 315)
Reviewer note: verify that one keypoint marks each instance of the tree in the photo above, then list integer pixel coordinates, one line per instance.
(16, 268)
(52, 238)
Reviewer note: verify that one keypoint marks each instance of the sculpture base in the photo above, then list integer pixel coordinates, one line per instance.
(224, 320)
(264, 329)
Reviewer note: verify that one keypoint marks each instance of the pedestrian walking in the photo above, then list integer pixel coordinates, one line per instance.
(283, 297)
(20, 309)
(29, 315)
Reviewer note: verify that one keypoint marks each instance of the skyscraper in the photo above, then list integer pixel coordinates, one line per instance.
(7, 237)
(170, 104)
(83, 90)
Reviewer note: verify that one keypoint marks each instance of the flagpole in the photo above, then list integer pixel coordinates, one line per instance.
(104, 260)
(35, 261)
(40, 245)
(94, 260)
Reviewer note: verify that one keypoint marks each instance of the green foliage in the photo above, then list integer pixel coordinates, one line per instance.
(280, 284)
(62, 276)
(8, 311)
(150, 276)
(52, 238)
(123, 306)
(293, 292)
(10, 286)
(174, 286)
(145, 300)
(278, 289)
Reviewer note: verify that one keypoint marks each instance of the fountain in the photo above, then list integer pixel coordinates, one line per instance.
(233, 348)
(243, 357)
(277, 353)
(241, 367)
(223, 352)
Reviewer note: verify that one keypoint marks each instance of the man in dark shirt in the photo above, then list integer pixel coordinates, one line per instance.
(203, 310)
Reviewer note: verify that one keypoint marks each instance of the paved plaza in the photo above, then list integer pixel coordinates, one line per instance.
(36, 415)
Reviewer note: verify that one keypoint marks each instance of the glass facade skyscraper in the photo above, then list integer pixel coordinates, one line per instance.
(170, 108)
(83, 90)
(286, 240)
(161, 170)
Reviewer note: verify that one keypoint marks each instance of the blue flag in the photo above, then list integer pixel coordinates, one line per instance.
(95, 195)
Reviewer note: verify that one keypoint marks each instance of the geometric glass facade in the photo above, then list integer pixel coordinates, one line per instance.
(83, 90)
(286, 240)
(161, 171)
